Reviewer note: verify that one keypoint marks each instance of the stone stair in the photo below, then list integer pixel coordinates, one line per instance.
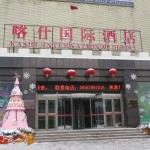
(89, 134)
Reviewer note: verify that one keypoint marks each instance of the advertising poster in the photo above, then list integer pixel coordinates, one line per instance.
(144, 101)
(5, 91)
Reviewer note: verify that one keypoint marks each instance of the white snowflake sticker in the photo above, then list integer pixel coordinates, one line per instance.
(26, 75)
(136, 92)
(25, 92)
(32, 86)
(128, 86)
(133, 76)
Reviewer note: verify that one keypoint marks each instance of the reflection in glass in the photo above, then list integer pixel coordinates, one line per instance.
(41, 122)
(51, 106)
(41, 106)
(64, 113)
(86, 114)
(108, 105)
(51, 122)
(109, 120)
(118, 120)
(117, 105)
(97, 112)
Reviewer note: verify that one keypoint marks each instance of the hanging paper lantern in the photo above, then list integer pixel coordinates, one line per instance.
(90, 72)
(47, 72)
(113, 72)
(71, 73)
(73, 7)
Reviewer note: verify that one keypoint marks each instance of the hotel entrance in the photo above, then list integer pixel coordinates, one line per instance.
(79, 111)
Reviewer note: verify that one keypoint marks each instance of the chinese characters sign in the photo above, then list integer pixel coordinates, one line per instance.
(26, 36)
(73, 87)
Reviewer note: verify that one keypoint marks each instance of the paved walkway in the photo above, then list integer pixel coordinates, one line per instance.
(130, 144)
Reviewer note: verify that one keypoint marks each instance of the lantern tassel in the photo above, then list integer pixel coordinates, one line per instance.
(91, 76)
(46, 75)
(71, 77)
(113, 75)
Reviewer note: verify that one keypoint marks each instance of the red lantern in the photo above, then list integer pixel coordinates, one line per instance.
(113, 72)
(71, 73)
(47, 72)
(90, 72)
(73, 7)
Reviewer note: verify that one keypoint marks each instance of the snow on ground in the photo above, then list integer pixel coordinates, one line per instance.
(130, 144)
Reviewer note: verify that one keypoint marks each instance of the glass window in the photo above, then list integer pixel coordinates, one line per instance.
(109, 120)
(41, 106)
(97, 112)
(118, 120)
(51, 106)
(108, 105)
(51, 122)
(117, 105)
(97, 106)
(64, 113)
(41, 122)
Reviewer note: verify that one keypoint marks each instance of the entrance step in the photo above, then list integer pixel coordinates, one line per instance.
(89, 134)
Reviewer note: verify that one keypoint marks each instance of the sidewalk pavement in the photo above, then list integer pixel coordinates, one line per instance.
(120, 144)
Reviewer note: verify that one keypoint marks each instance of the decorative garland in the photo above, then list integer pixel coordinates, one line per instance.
(25, 135)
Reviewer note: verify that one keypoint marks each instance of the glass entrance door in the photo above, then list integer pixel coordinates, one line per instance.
(46, 113)
(97, 112)
(107, 111)
(81, 113)
(64, 113)
(113, 111)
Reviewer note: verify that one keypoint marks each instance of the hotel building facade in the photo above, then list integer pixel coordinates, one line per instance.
(82, 64)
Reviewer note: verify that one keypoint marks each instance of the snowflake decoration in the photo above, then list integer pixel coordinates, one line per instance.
(128, 86)
(32, 86)
(133, 76)
(136, 92)
(24, 117)
(26, 75)
(14, 122)
(25, 92)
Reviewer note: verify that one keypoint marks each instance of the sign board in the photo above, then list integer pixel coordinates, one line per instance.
(143, 94)
(132, 103)
(125, 3)
(78, 87)
(75, 38)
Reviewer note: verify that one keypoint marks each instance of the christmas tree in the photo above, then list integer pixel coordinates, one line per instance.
(15, 117)
(15, 127)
